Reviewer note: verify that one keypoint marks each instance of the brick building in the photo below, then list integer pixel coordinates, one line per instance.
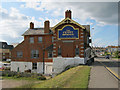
(50, 49)
(5, 51)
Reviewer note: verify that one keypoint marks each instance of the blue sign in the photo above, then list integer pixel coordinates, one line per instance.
(68, 32)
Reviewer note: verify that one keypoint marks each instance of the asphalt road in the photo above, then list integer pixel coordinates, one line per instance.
(113, 64)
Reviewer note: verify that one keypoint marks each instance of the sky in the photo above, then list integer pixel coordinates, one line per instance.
(15, 16)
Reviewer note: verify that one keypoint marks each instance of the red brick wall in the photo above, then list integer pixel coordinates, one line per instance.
(26, 48)
(68, 50)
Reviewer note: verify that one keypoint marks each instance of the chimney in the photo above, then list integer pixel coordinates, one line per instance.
(31, 25)
(46, 26)
(68, 14)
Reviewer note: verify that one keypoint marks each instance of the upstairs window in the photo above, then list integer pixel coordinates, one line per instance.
(50, 54)
(34, 65)
(34, 54)
(39, 39)
(19, 54)
(76, 51)
(59, 51)
(52, 39)
(31, 39)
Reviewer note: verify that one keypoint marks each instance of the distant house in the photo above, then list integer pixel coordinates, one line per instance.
(5, 51)
(99, 50)
(112, 49)
(49, 50)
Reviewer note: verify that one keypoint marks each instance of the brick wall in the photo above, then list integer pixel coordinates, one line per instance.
(26, 48)
(68, 48)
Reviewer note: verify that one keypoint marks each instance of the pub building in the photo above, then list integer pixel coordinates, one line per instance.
(50, 50)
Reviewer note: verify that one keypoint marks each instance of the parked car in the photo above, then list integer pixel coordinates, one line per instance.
(107, 56)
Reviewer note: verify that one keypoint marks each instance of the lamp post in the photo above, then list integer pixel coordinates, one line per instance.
(91, 37)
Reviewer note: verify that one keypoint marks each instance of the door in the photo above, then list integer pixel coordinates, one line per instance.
(68, 49)
(49, 69)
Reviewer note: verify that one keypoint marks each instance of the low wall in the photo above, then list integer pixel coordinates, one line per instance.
(60, 63)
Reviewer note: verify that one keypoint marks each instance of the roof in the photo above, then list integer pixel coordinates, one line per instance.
(112, 46)
(4, 45)
(87, 27)
(67, 20)
(35, 31)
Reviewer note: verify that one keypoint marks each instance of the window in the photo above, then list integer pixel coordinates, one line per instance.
(31, 39)
(34, 65)
(3, 53)
(52, 39)
(76, 51)
(34, 54)
(39, 39)
(49, 54)
(59, 51)
(19, 54)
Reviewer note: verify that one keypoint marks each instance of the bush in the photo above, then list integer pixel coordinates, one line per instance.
(41, 78)
(18, 75)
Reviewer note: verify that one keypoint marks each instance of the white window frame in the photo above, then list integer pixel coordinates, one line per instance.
(19, 54)
(34, 53)
(40, 39)
(31, 39)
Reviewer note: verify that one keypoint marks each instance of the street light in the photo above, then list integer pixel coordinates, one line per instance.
(91, 37)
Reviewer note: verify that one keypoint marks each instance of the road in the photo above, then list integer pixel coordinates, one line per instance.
(100, 76)
(112, 64)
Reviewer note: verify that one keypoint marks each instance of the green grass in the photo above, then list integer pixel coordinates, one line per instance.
(20, 78)
(76, 77)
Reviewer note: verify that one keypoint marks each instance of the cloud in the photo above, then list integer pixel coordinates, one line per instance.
(102, 12)
(103, 43)
(12, 25)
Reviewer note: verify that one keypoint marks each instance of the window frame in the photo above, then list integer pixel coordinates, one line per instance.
(34, 54)
(52, 38)
(50, 53)
(19, 54)
(59, 52)
(40, 39)
(76, 51)
(34, 66)
(31, 39)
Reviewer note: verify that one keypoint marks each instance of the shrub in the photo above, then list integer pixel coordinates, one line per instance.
(41, 78)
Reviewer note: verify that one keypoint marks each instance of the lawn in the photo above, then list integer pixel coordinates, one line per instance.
(76, 77)
(21, 82)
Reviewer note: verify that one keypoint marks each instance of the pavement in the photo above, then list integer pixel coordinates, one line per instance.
(100, 77)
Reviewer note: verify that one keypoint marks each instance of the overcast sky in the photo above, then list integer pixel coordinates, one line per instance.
(16, 16)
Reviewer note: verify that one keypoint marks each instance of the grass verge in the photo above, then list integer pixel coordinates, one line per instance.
(76, 77)
(20, 78)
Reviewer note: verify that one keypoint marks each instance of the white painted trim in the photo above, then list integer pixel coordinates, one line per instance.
(54, 47)
(54, 50)
(82, 50)
(54, 54)
(81, 47)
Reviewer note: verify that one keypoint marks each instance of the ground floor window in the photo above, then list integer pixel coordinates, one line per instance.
(59, 51)
(34, 65)
(34, 53)
(76, 51)
(50, 54)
